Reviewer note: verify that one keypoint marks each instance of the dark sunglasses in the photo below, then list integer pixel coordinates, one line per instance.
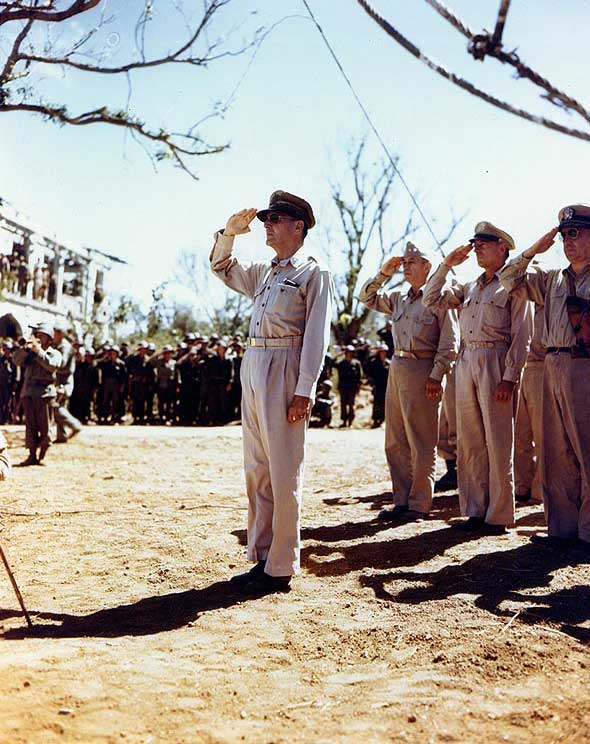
(275, 217)
(570, 232)
(484, 239)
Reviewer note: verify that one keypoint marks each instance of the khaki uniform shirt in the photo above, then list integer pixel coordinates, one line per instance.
(292, 297)
(537, 351)
(548, 288)
(415, 327)
(487, 315)
(40, 371)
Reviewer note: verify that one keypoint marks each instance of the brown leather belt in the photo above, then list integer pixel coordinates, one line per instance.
(414, 354)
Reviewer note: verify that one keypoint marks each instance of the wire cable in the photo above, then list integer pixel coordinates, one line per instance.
(374, 129)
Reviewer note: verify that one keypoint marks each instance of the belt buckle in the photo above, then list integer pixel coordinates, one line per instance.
(251, 342)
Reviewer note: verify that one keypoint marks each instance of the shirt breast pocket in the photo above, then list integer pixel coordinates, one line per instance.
(425, 318)
(287, 303)
(496, 311)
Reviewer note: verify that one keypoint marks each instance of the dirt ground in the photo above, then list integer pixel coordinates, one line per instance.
(123, 543)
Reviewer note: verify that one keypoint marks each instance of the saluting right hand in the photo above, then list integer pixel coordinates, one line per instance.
(391, 265)
(543, 244)
(239, 223)
(458, 256)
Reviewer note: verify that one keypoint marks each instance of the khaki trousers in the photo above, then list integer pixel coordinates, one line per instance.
(528, 433)
(411, 432)
(485, 436)
(566, 446)
(447, 428)
(274, 458)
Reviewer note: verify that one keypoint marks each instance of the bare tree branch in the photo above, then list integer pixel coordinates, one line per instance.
(21, 76)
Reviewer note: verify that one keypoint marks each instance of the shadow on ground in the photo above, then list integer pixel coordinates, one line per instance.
(504, 577)
(145, 617)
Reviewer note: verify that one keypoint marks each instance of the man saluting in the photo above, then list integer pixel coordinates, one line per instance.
(288, 339)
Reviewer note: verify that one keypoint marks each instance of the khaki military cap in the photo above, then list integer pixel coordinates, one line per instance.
(286, 203)
(485, 230)
(576, 215)
(412, 251)
(43, 327)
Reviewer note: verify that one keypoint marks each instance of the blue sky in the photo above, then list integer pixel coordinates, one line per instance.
(290, 123)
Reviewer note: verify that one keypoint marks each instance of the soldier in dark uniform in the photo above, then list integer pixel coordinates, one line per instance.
(164, 367)
(140, 374)
(7, 383)
(349, 382)
(150, 387)
(85, 385)
(235, 395)
(321, 413)
(189, 375)
(219, 371)
(378, 371)
(113, 374)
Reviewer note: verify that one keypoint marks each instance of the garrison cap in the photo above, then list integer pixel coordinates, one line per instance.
(43, 327)
(485, 230)
(576, 215)
(286, 203)
(412, 251)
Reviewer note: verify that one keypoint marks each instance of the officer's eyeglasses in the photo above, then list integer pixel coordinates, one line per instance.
(571, 232)
(275, 217)
(484, 239)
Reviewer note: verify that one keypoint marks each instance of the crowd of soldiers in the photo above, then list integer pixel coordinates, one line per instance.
(195, 383)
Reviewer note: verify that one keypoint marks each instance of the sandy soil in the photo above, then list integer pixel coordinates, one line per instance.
(123, 544)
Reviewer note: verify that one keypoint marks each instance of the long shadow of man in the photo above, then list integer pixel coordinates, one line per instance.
(145, 617)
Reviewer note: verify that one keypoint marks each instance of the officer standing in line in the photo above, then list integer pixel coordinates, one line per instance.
(41, 363)
(289, 335)
(425, 346)
(528, 431)
(565, 442)
(495, 334)
(350, 373)
(66, 424)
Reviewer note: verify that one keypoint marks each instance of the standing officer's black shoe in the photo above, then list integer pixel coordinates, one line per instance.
(448, 481)
(392, 515)
(243, 578)
(558, 543)
(494, 529)
(522, 498)
(473, 524)
(266, 584)
(413, 516)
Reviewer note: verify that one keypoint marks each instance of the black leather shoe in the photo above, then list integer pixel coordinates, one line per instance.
(266, 584)
(413, 516)
(31, 460)
(448, 481)
(392, 515)
(522, 498)
(493, 529)
(557, 543)
(243, 578)
(473, 524)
